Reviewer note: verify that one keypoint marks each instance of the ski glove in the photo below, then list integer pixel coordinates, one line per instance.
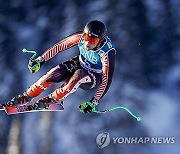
(88, 107)
(35, 64)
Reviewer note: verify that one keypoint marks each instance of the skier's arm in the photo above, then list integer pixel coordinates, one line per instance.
(64, 44)
(108, 62)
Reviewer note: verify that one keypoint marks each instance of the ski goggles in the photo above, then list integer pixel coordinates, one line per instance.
(91, 39)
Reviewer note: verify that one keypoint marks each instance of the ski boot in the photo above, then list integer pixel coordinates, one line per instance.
(42, 104)
(18, 100)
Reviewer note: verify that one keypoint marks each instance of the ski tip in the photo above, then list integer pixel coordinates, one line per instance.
(11, 110)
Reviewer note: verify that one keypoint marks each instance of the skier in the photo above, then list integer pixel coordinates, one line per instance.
(92, 68)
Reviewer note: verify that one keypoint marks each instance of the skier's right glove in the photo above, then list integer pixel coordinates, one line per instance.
(35, 64)
(89, 106)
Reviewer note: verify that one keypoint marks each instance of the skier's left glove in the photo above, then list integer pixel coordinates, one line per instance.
(88, 106)
(35, 64)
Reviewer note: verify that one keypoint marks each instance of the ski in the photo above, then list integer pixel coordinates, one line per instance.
(22, 108)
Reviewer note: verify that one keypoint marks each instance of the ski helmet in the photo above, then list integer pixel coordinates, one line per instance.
(96, 28)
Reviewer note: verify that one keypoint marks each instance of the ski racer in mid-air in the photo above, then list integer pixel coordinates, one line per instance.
(92, 68)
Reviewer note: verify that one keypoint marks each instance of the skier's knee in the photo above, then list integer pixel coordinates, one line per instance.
(49, 76)
(78, 73)
(77, 79)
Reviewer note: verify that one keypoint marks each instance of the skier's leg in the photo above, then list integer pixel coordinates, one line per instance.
(60, 73)
(80, 78)
(55, 75)
(63, 91)
(34, 90)
(42, 84)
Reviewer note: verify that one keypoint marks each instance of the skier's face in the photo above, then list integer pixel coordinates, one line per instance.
(89, 46)
(90, 42)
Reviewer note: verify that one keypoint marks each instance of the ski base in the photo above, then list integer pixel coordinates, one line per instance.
(22, 109)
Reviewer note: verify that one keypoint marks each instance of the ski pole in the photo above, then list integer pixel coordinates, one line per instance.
(118, 107)
(114, 108)
(30, 51)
